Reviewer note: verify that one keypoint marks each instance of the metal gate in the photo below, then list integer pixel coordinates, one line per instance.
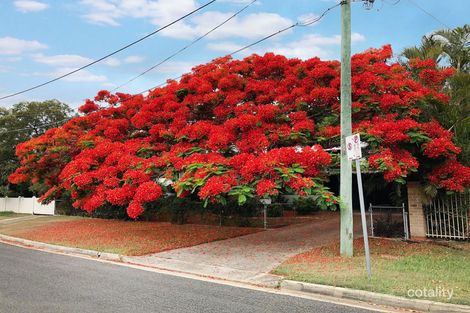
(393, 215)
(447, 217)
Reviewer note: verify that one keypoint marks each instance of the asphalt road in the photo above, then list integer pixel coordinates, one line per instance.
(35, 281)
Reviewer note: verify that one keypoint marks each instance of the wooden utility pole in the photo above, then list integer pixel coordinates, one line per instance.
(346, 235)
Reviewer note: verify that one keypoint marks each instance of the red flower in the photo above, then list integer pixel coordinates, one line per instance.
(148, 192)
(120, 196)
(215, 186)
(134, 210)
(451, 175)
(440, 147)
(251, 122)
(266, 187)
(88, 107)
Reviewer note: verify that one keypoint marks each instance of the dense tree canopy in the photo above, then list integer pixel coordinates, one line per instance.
(21, 122)
(246, 128)
(450, 47)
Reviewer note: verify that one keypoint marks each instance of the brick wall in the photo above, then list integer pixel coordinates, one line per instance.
(416, 213)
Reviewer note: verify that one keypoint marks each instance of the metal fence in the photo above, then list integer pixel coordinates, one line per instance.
(448, 217)
(389, 221)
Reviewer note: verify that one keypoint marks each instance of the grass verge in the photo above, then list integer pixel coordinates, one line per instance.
(117, 236)
(397, 268)
(8, 214)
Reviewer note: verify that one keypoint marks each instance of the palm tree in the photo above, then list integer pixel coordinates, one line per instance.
(450, 47)
(455, 45)
(428, 49)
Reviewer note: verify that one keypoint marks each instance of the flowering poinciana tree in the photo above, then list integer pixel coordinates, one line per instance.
(245, 128)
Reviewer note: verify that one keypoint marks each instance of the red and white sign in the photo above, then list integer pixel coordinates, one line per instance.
(353, 147)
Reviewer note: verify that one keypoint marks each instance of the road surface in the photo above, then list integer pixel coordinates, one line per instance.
(36, 281)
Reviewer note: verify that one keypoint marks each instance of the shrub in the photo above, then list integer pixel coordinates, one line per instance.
(304, 206)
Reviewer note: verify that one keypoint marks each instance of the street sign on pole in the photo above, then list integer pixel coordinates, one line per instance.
(353, 147)
(353, 151)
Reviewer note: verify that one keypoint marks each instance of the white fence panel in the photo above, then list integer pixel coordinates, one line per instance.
(44, 209)
(3, 204)
(13, 204)
(26, 206)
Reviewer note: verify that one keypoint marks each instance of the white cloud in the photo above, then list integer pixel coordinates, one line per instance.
(112, 62)
(109, 85)
(61, 60)
(251, 26)
(224, 46)
(11, 59)
(134, 59)
(161, 12)
(4, 69)
(12, 46)
(175, 67)
(26, 6)
(238, 1)
(74, 60)
(313, 45)
(81, 76)
(308, 17)
(356, 37)
(108, 12)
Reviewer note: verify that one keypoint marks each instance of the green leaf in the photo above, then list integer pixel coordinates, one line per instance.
(241, 199)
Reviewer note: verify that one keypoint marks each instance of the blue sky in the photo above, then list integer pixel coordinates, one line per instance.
(42, 39)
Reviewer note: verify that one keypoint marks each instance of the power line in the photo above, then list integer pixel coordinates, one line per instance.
(302, 23)
(185, 47)
(110, 54)
(392, 3)
(316, 19)
(428, 13)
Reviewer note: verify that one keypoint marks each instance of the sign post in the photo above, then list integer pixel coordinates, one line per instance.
(353, 150)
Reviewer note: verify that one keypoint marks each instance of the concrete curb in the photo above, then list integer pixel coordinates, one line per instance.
(171, 266)
(331, 291)
(376, 298)
(61, 249)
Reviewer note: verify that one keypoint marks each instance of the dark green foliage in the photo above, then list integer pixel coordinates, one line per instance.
(19, 123)
(304, 206)
(450, 47)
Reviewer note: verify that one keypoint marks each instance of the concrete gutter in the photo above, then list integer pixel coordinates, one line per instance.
(172, 266)
(376, 298)
(251, 278)
(61, 249)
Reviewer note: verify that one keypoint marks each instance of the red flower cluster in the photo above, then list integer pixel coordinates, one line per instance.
(451, 175)
(266, 187)
(243, 128)
(395, 164)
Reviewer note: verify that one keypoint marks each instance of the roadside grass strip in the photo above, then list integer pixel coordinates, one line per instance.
(436, 271)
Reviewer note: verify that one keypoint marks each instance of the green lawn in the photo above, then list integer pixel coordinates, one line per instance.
(397, 267)
(8, 214)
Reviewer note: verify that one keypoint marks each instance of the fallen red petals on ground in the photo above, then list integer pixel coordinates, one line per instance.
(130, 238)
